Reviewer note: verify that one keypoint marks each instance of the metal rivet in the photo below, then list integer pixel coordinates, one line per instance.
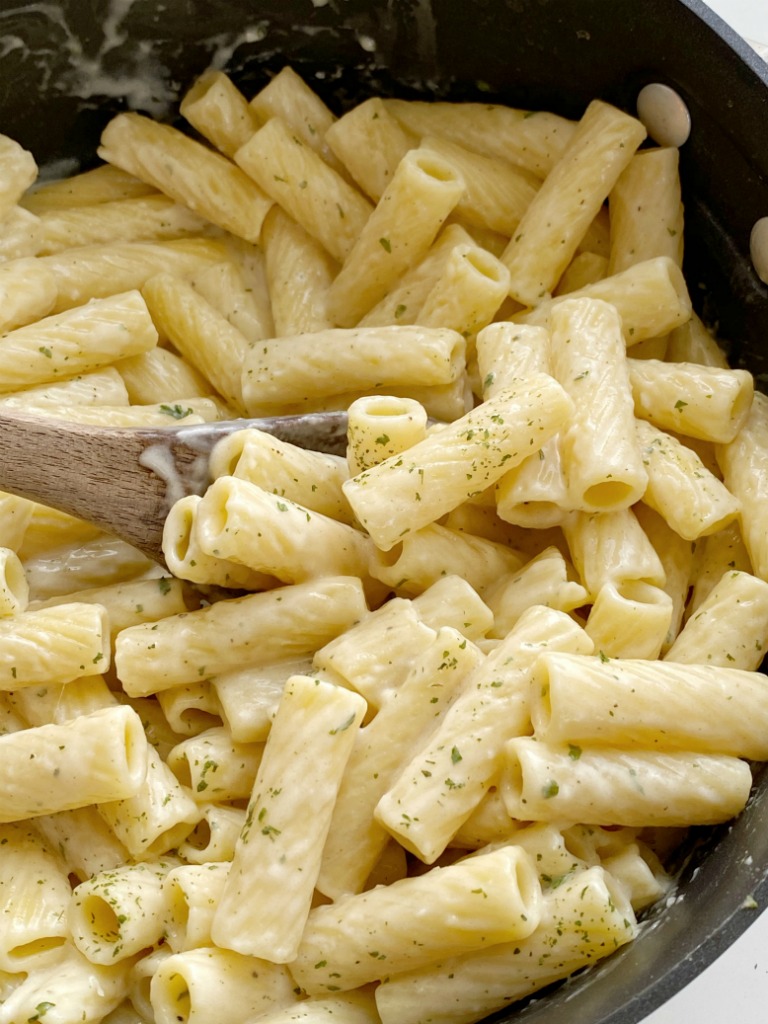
(758, 248)
(664, 114)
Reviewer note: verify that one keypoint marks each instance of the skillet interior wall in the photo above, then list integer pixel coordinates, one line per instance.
(68, 65)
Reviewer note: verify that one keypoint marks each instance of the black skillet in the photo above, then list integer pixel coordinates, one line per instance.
(67, 65)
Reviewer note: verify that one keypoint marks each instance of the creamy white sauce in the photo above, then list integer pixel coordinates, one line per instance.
(158, 458)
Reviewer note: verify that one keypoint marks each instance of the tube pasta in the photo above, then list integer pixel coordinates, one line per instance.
(203, 336)
(155, 375)
(403, 302)
(295, 369)
(117, 913)
(651, 297)
(744, 462)
(608, 786)
(703, 402)
(28, 291)
(191, 709)
(100, 271)
(289, 97)
(541, 581)
(370, 143)
(248, 699)
(103, 184)
(490, 898)
(70, 988)
(610, 547)
(423, 191)
(214, 837)
(355, 840)
(76, 341)
(427, 482)
(531, 140)
(306, 477)
(355, 1007)
(191, 893)
(601, 455)
(264, 911)
(572, 194)
(395, 627)
(497, 194)
(187, 560)
(647, 210)
(21, 234)
(463, 989)
(260, 628)
(715, 555)
(145, 218)
(97, 757)
(448, 777)
(18, 171)
(294, 257)
(84, 840)
(422, 558)
(677, 557)
(630, 619)
(14, 590)
(156, 817)
(694, 343)
(730, 626)
(470, 290)
(241, 522)
(204, 984)
(305, 186)
(34, 894)
(381, 426)
(53, 645)
(225, 287)
(691, 499)
(219, 111)
(657, 705)
(214, 767)
(187, 171)
(101, 387)
(241, 799)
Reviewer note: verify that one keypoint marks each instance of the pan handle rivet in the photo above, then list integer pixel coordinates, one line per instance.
(664, 113)
(758, 248)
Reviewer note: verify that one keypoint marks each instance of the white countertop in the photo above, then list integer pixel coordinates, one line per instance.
(734, 989)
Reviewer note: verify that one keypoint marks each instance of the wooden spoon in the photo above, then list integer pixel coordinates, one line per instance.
(125, 480)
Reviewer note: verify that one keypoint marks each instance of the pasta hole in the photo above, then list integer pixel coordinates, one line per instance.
(16, 580)
(183, 538)
(178, 910)
(434, 166)
(526, 875)
(100, 920)
(391, 557)
(35, 948)
(177, 995)
(484, 263)
(134, 749)
(742, 403)
(200, 836)
(608, 494)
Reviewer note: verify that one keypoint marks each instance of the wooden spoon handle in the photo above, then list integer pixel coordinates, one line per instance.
(125, 480)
